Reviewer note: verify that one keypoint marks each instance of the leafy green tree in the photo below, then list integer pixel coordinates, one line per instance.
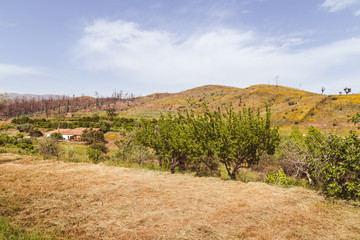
(242, 138)
(236, 139)
(35, 133)
(91, 136)
(105, 125)
(57, 136)
(95, 155)
(99, 146)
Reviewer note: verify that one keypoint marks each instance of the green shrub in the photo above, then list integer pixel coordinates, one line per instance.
(95, 155)
(279, 178)
(27, 127)
(57, 136)
(36, 133)
(335, 168)
(99, 146)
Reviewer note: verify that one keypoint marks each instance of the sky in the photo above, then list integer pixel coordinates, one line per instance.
(146, 46)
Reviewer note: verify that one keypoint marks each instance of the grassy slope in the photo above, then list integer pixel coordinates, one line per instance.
(85, 201)
(289, 106)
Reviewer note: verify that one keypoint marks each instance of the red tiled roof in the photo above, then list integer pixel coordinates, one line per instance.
(74, 132)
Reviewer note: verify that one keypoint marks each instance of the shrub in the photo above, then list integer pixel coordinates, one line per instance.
(335, 168)
(27, 127)
(99, 146)
(57, 136)
(92, 136)
(279, 178)
(105, 125)
(36, 133)
(25, 144)
(95, 155)
(49, 147)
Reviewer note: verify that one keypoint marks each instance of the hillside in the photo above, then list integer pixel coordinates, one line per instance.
(289, 106)
(88, 201)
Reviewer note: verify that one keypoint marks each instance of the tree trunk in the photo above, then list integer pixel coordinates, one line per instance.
(172, 166)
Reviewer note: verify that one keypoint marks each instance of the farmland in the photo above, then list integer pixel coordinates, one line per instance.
(87, 201)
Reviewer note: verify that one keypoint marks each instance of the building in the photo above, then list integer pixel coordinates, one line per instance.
(69, 134)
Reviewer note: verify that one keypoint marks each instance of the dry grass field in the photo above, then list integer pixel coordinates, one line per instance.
(87, 201)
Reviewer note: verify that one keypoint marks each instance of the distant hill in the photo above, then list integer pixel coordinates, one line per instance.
(13, 96)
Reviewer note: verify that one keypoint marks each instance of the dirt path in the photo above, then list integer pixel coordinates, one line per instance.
(86, 201)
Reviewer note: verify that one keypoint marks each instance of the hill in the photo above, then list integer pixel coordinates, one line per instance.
(88, 201)
(289, 106)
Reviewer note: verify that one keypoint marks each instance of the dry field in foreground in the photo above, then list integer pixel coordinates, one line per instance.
(86, 201)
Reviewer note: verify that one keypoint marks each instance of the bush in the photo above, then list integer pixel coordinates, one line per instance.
(91, 136)
(335, 168)
(279, 178)
(95, 155)
(27, 127)
(57, 136)
(49, 147)
(36, 133)
(25, 144)
(99, 146)
(130, 151)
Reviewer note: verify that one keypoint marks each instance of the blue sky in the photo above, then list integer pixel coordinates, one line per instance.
(146, 46)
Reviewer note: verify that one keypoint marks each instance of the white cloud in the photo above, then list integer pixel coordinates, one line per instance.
(337, 5)
(357, 13)
(9, 70)
(221, 56)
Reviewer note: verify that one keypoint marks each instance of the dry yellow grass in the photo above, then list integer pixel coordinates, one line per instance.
(86, 201)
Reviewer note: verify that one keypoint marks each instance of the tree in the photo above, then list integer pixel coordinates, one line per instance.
(322, 90)
(105, 125)
(49, 147)
(35, 133)
(241, 138)
(111, 113)
(347, 90)
(91, 136)
(57, 136)
(236, 139)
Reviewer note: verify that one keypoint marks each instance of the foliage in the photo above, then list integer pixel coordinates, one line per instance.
(57, 136)
(49, 147)
(36, 133)
(105, 125)
(355, 119)
(335, 167)
(129, 150)
(111, 113)
(25, 143)
(95, 155)
(91, 136)
(236, 139)
(27, 127)
(279, 178)
(17, 141)
(241, 138)
(330, 163)
(99, 146)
